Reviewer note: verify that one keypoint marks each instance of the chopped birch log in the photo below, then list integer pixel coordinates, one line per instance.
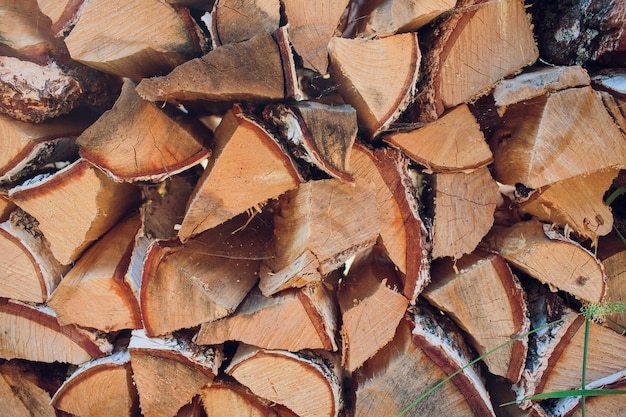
(95, 201)
(169, 372)
(30, 271)
(97, 281)
(100, 388)
(537, 82)
(557, 136)
(393, 16)
(229, 25)
(280, 377)
(386, 384)
(310, 26)
(549, 257)
(500, 36)
(27, 146)
(205, 279)
(137, 141)
(576, 202)
(464, 211)
(402, 231)
(161, 38)
(452, 143)
(245, 158)
(293, 320)
(251, 70)
(225, 398)
(34, 334)
(376, 76)
(487, 301)
(21, 394)
(371, 307)
(320, 134)
(318, 227)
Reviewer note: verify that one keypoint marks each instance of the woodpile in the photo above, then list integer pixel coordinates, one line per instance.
(310, 208)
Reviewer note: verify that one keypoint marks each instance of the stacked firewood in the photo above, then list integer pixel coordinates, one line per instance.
(310, 208)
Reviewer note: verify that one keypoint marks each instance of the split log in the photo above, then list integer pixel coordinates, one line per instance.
(394, 16)
(464, 211)
(293, 320)
(229, 25)
(209, 275)
(612, 254)
(246, 158)
(168, 373)
(97, 281)
(100, 388)
(551, 258)
(321, 135)
(25, 31)
(487, 301)
(557, 136)
(6, 207)
(371, 307)
(500, 37)
(21, 394)
(402, 231)
(280, 376)
(30, 271)
(376, 76)
(251, 70)
(161, 38)
(225, 398)
(452, 143)
(95, 201)
(27, 146)
(34, 334)
(317, 228)
(386, 384)
(137, 141)
(310, 26)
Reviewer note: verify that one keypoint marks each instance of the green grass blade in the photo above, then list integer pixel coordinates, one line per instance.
(568, 393)
(611, 198)
(584, 366)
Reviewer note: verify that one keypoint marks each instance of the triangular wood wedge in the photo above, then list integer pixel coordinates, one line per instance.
(465, 204)
(279, 376)
(100, 388)
(310, 26)
(376, 76)
(371, 307)
(318, 133)
(452, 143)
(225, 397)
(138, 141)
(318, 227)
(249, 70)
(500, 36)
(386, 384)
(169, 372)
(557, 136)
(95, 202)
(577, 202)
(26, 146)
(23, 393)
(537, 82)
(241, 145)
(402, 231)
(393, 16)
(543, 253)
(487, 301)
(30, 271)
(229, 25)
(293, 320)
(34, 334)
(97, 281)
(161, 38)
(209, 275)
